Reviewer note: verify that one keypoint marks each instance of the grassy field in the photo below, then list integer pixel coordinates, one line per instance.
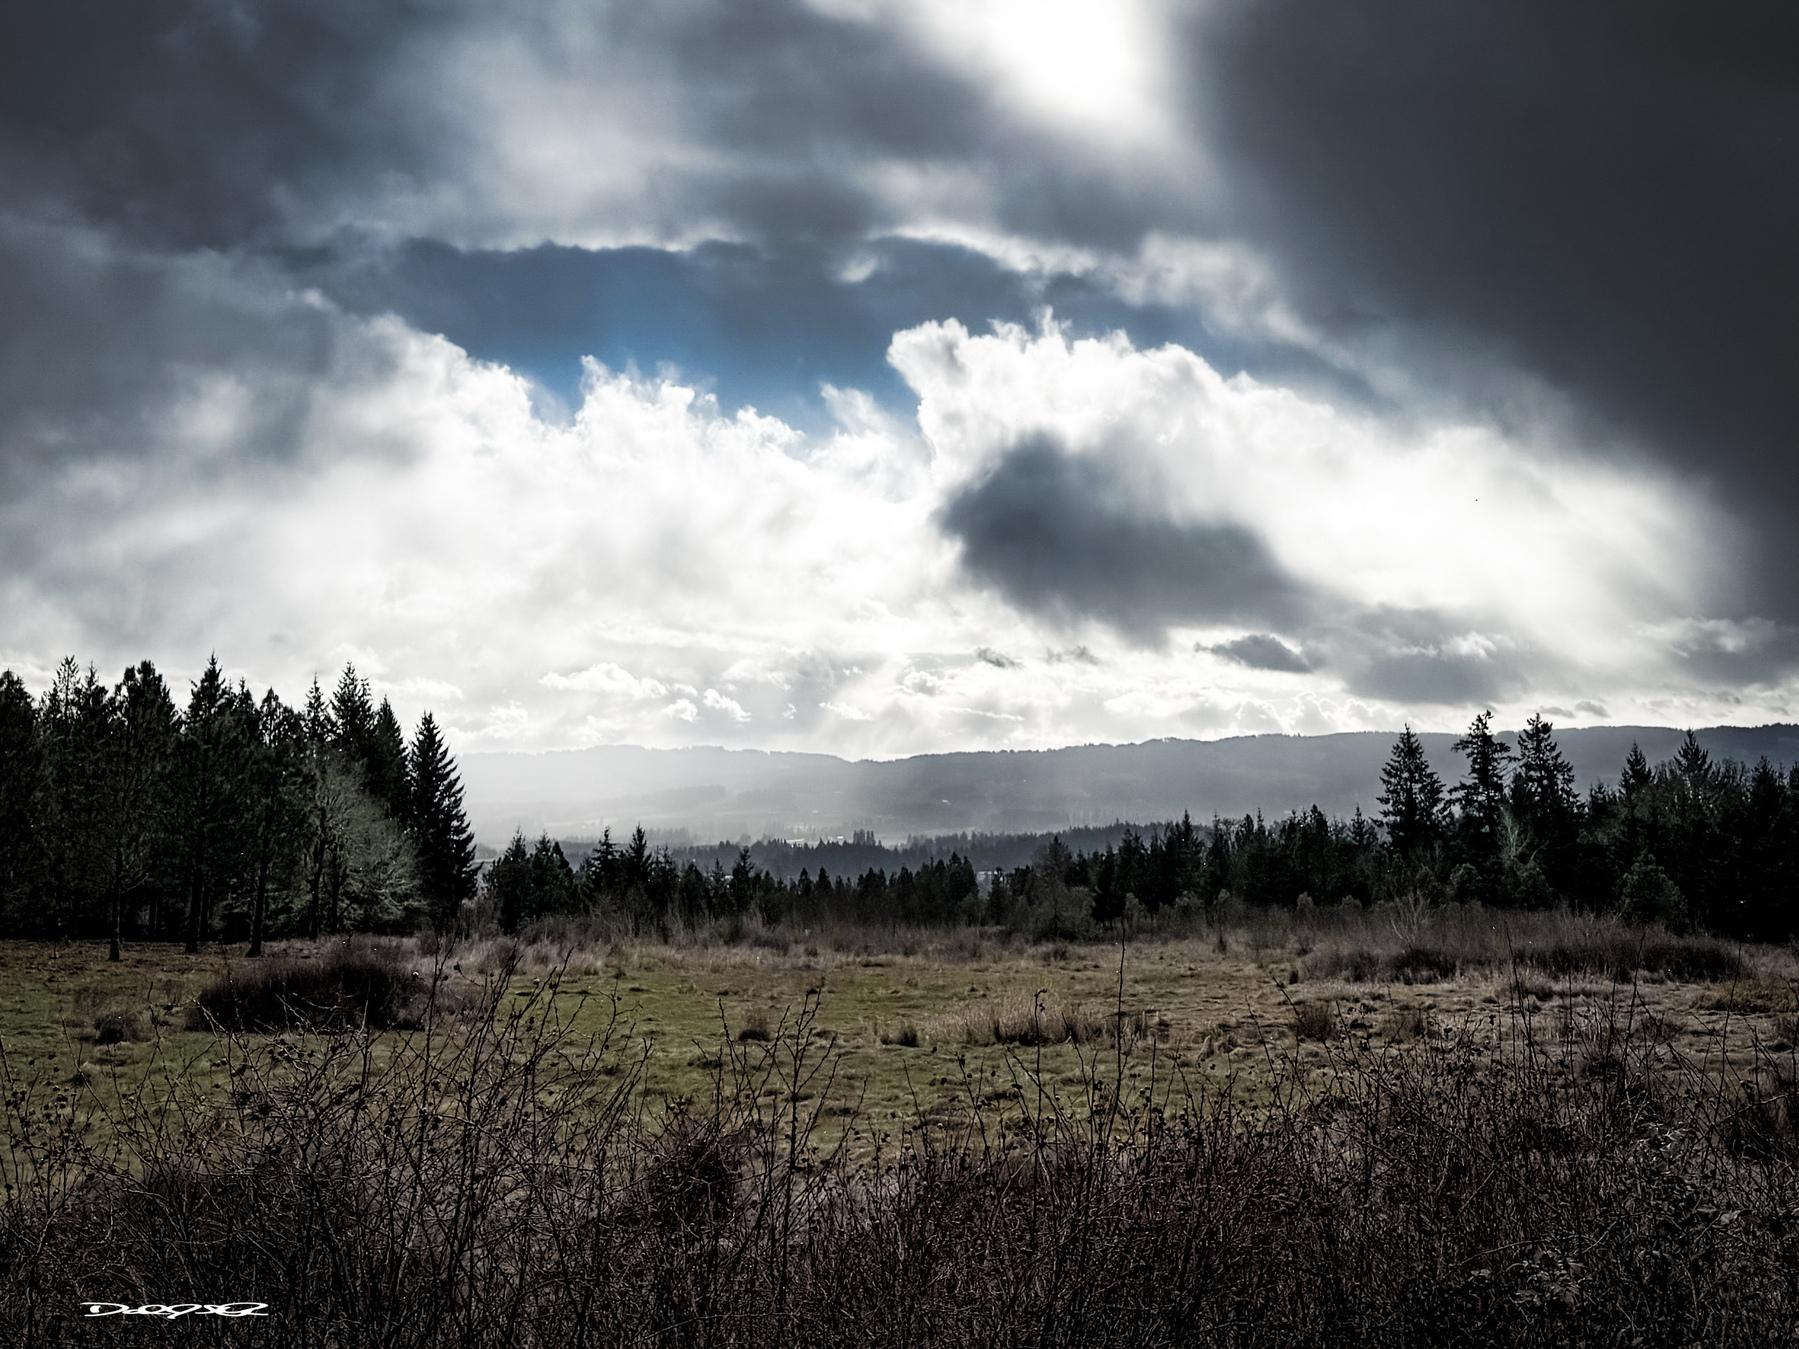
(1390, 1127)
(918, 1024)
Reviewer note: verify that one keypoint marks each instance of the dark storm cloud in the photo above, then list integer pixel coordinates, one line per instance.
(1060, 534)
(1604, 195)
(204, 125)
(1262, 651)
(98, 344)
(199, 124)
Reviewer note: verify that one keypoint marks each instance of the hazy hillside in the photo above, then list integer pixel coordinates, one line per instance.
(716, 793)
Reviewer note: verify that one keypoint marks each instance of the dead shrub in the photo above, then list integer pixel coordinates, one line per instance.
(1405, 1023)
(347, 984)
(1315, 1021)
(473, 1186)
(117, 1022)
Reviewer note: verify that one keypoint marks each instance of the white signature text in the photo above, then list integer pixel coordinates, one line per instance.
(171, 1310)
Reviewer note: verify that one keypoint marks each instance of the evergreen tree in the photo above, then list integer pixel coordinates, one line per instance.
(1545, 805)
(552, 879)
(507, 885)
(441, 838)
(1479, 797)
(279, 779)
(141, 746)
(1693, 764)
(387, 763)
(209, 796)
(24, 789)
(1412, 805)
(353, 715)
(77, 728)
(316, 722)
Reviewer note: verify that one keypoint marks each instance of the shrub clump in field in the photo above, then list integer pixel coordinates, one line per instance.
(1405, 1023)
(346, 985)
(905, 1035)
(1314, 1021)
(116, 1023)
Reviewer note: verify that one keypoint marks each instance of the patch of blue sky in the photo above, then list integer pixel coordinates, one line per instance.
(754, 328)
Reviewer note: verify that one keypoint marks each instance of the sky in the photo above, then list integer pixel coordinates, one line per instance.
(893, 376)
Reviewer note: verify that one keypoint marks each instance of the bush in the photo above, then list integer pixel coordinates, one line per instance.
(117, 1022)
(905, 1036)
(513, 1189)
(346, 984)
(1314, 1021)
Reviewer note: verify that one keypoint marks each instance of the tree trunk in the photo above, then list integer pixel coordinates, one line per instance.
(193, 915)
(260, 906)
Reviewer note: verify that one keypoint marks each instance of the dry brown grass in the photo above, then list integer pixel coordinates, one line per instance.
(1515, 1179)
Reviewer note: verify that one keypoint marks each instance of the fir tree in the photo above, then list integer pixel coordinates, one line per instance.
(142, 744)
(23, 792)
(354, 717)
(386, 767)
(316, 721)
(1545, 804)
(1693, 764)
(1412, 805)
(209, 793)
(1479, 797)
(440, 830)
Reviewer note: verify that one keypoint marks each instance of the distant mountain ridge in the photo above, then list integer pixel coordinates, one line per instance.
(718, 793)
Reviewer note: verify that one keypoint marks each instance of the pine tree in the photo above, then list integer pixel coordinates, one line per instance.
(508, 885)
(279, 780)
(209, 793)
(316, 721)
(1543, 785)
(354, 716)
(440, 830)
(1694, 764)
(24, 787)
(1480, 796)
(141, 747)
(1412, 805)
(1545, 804)
(77, 726)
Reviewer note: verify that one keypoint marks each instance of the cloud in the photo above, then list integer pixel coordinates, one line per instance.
(1597, 201)
(1054, 533)
(1261, 651)
(1458, 386)
(1084, 499)
(610, 680)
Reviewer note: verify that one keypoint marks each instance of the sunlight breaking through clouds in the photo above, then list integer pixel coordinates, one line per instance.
(658, 571)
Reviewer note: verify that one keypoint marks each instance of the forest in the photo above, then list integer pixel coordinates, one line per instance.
(1690, 844)
(125, 816)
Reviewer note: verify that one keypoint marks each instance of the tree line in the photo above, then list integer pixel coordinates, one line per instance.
(1690, 843)
(126, 816)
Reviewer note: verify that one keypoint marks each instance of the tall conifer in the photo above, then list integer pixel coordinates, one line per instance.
(1412, 805)
(440, 830)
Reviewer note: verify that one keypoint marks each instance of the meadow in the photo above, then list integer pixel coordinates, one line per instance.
(1425, 1126)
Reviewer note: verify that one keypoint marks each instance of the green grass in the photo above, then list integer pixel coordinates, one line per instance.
(909, 1017)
